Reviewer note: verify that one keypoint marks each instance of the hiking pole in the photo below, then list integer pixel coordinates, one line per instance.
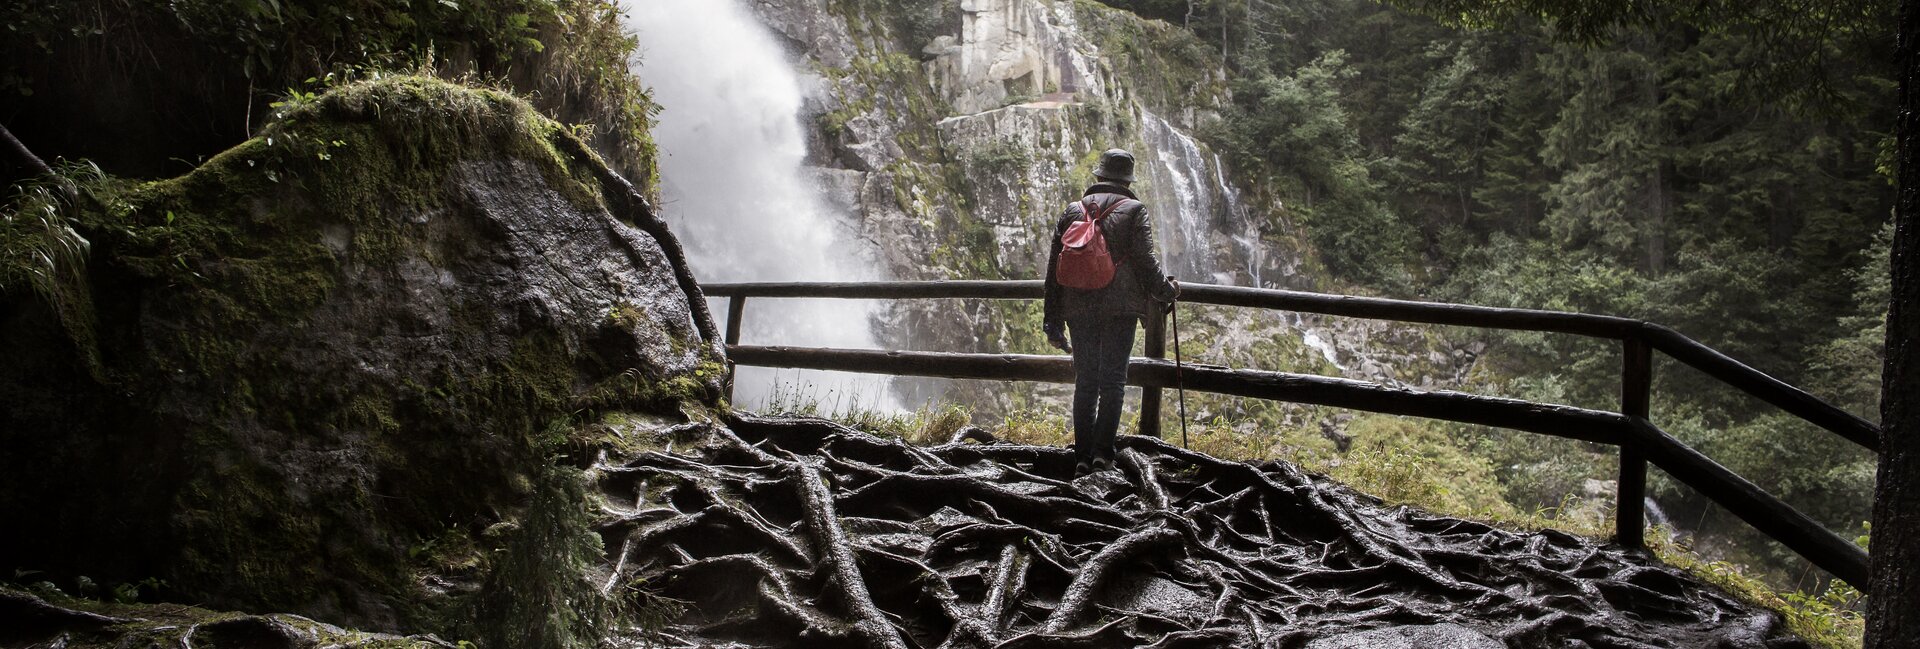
(1179, 373)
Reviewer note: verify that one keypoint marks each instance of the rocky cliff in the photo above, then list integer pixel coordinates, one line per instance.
(348, 369)
(954, 131)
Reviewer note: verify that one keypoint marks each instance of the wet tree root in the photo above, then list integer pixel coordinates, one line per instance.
(802, 533)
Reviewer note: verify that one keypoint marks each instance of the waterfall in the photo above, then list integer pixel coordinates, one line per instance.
(1179, 171)
(1204, 208)
(1658, 516)
(735, 190)
(1242, 232)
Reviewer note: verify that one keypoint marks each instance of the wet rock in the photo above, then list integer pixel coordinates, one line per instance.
(251, 632)
(976, 127)
(27, 620)
(1010, 49)
(1423, 636)
(322, 379)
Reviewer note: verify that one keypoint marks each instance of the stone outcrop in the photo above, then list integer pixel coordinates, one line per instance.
(345, 369)
(1011, 50)
(28, 620)
(988, 119)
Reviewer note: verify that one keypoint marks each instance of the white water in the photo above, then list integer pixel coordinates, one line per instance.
(1180, 175)
(1204, 229)
(1658, 516)
(737, 195)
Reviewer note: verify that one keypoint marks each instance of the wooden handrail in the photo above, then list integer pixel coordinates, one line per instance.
(1674, 344)
(1546, 419)
(1639, 440)
(944, 289)
(1763, 386)
(1744, 499)
(1373, 308)
(1750, 503)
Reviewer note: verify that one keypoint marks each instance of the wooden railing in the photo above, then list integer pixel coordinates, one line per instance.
(1638, 439)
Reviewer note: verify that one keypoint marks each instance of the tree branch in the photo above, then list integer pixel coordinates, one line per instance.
(21, 155)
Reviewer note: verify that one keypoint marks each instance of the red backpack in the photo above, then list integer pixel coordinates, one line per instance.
(1084, 261)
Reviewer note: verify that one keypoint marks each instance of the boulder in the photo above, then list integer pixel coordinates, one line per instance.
(347, 368)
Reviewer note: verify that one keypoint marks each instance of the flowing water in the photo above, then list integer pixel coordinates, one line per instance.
(1657, 516)
(1198, 208)
(1181, 177)
(736, 192)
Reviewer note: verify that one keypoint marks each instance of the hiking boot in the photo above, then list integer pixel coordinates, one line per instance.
(1082, 468)
(1101, 464)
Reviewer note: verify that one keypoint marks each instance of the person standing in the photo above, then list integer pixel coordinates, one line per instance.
(1102, 277)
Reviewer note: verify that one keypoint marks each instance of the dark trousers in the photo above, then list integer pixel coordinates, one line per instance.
(1101, 347)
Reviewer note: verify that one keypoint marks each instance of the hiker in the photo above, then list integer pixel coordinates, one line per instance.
(1102, 277)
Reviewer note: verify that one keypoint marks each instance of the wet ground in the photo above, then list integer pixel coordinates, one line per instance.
(801, 533)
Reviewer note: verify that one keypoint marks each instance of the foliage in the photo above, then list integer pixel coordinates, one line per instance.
(929, 424)
(1835, 365)
(271, 40)
(538, 594)
(1803, 46)
(1829, 617)
(570, 57)
(41, 250)
(1296, 126)
(1720, 168)
(1418, 462)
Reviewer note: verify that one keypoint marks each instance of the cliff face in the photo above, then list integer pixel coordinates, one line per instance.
(955, 131)
(984, 117)
(347, 368)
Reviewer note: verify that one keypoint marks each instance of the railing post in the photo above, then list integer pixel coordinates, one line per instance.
(1636, 388)
(736, 306)
(1156, 347)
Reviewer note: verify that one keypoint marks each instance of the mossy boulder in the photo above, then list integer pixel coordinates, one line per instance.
(344, 369)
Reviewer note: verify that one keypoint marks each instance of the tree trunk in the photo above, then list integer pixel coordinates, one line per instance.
(1893, 605)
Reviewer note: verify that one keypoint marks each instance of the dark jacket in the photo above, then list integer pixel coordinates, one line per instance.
(1137, 277)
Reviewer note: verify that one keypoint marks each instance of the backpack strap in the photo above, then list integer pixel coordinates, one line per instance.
(1090, 213)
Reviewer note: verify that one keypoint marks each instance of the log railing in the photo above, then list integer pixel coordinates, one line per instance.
(1639, 440)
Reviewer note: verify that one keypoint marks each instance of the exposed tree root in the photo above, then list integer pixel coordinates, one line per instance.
(798, 532)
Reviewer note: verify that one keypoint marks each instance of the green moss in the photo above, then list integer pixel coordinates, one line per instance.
(1167, 66)
(289, 493)
(169, 624)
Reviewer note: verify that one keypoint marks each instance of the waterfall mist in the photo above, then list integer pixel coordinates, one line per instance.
(737, 193)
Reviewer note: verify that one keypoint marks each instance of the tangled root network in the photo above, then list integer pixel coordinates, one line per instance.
(804, 533)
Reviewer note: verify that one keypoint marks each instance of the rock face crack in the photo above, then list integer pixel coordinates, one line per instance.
(803, 533)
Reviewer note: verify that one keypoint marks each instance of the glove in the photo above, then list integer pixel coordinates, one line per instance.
(1057, 336)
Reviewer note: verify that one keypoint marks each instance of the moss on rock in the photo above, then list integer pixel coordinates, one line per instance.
(368, 331)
